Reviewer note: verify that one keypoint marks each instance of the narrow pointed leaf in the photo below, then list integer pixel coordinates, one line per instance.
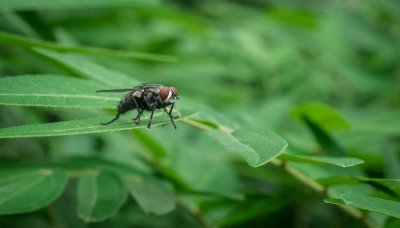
(100, 195)
(332, 180)
(61, 91)
(21, 41)
(384, 185)
(54, 91)
(323, 115)
(335, 201)
(387, 207)
(26, 190)
(150, 144)
(338, 161)
(86, 126)
(379, 121)
(89, 69)
(72, 4)
(325, 140)
(153, 195)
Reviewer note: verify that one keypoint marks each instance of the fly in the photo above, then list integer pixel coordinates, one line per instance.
(146, 97)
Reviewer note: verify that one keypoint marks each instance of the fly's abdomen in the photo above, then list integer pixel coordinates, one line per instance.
(127, 103)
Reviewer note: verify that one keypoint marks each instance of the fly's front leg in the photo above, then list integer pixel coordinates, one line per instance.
(170, 112)
(171, 117)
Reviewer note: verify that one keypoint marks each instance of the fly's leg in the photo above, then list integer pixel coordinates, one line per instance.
(170, 112)
(151, 116)
(140, 111)
(137, 118)
(115, 118)
(171, 117)
(134, 101)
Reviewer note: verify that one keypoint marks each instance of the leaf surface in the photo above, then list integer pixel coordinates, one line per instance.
(24, 190)
(100, 195)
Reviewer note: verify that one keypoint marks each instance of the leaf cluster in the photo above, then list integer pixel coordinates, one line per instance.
(288, 114)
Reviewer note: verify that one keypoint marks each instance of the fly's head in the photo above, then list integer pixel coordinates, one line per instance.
(169, 94)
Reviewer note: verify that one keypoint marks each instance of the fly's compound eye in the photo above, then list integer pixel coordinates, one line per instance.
(165, 93)
(168, 94)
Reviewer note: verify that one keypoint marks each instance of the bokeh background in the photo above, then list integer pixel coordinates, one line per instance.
(253, 62)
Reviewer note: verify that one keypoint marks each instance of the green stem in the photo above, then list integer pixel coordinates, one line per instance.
(195, 214)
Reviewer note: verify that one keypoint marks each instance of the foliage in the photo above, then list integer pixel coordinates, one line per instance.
(288, 114)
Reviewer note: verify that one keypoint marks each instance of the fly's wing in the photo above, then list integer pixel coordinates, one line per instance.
(146, 86)
(141, 87)
(114, 90)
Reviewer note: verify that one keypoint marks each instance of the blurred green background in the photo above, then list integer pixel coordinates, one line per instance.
(255, 63)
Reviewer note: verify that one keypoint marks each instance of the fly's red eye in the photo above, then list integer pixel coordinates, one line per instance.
(164, 92)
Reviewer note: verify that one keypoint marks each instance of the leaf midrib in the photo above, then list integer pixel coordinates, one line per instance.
(60, 95)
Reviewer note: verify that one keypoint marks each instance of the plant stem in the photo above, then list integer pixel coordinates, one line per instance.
(195, 214)
(311, 183)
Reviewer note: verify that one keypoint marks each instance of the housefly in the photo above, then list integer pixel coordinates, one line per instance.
(146, 97)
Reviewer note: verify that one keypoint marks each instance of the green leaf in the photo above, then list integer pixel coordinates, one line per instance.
(257, 149)
(21, 41)
(83, 66)
(380, 184)
(54, 91)
(150, 144)
(330, 145)
(338, 161)
(58, 91)
(86, 126)
(383, 188)
(378, 121)
(100, 195)
(387, 207)
(152, 195)
(296, 17)
(323, 115)
(254, 209)
(335, 201)
(354, 180)
(71, 4)
(391, 163)
(26, 190)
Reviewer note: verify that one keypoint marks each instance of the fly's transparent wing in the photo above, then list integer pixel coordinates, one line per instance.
(136, 88)
(114, 90)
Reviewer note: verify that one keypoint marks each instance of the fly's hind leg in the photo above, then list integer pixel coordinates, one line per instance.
(137, 118)
(140, 112)
(115, 118)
